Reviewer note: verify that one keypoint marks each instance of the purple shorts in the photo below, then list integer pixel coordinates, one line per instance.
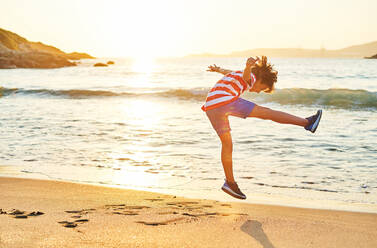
(219, 116)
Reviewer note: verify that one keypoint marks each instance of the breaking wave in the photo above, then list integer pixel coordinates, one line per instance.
(340, 98)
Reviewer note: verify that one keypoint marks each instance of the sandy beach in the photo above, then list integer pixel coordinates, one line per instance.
(45, 213)
(122, 125)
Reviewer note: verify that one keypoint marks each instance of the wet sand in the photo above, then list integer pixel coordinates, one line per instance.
(45, 213)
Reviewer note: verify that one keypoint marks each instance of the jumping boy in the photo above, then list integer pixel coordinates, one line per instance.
(224, 100)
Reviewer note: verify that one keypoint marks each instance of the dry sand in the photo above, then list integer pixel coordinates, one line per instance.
(44, 213)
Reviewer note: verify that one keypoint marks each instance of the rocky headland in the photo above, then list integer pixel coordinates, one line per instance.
(18, 52)
(372, 57)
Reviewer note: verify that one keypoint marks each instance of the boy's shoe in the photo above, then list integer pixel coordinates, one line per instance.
(233, 190)
(313, 121)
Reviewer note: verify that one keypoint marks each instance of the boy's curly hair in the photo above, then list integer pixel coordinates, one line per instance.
(265, 71)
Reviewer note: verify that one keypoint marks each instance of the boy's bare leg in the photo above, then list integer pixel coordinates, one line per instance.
(277, 116)
(226, 155)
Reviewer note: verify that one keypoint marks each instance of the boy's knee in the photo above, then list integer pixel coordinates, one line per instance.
(226, 140)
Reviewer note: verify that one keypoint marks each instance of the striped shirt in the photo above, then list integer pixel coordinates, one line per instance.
(227, 90)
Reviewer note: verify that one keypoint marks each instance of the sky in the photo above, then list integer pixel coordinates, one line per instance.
(155, 28)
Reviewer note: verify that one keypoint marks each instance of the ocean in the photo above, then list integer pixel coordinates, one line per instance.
(138, 125)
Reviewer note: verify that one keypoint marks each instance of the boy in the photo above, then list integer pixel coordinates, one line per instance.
(224, 100)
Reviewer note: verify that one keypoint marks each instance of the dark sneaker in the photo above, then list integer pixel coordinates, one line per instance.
(313, 121)
(233, 190)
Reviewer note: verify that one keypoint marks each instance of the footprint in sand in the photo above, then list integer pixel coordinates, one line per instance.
(126, 213)
(73, 211)
(72, 224)
(81, 220)
(124, 206)
(137, 207)
(154, 199)
(199, 214)
(68, 224)
(182, 203)
(189, 211)
(116, 205)
(157, 223)
(123, 209)
(80, 212)
(226, 205)
(18, 214)
(170, 212)
(77, 216)
(35, 213)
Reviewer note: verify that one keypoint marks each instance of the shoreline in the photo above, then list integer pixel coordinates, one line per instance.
(75, 214)
(274, 199)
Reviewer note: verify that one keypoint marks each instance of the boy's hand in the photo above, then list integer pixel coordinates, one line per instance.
(213, 68)
(251, 61)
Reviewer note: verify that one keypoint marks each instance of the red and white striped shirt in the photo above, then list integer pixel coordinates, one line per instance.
(227, 90)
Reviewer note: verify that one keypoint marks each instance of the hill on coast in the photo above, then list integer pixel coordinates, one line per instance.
(18, 52)
(357, 51)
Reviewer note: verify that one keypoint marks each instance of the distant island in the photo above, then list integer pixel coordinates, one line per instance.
(18, 52)
(358, 51)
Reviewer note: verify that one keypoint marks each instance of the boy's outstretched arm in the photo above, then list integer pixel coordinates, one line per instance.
(215, 68)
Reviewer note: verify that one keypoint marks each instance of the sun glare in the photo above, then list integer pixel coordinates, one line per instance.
(143, 64)
(143, 113)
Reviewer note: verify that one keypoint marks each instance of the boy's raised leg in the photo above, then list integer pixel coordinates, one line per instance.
(277, 116)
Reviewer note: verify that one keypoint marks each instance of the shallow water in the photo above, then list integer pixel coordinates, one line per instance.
(142, 127)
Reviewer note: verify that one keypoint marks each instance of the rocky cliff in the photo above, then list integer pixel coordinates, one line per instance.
(18, 52)
(372, 57)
